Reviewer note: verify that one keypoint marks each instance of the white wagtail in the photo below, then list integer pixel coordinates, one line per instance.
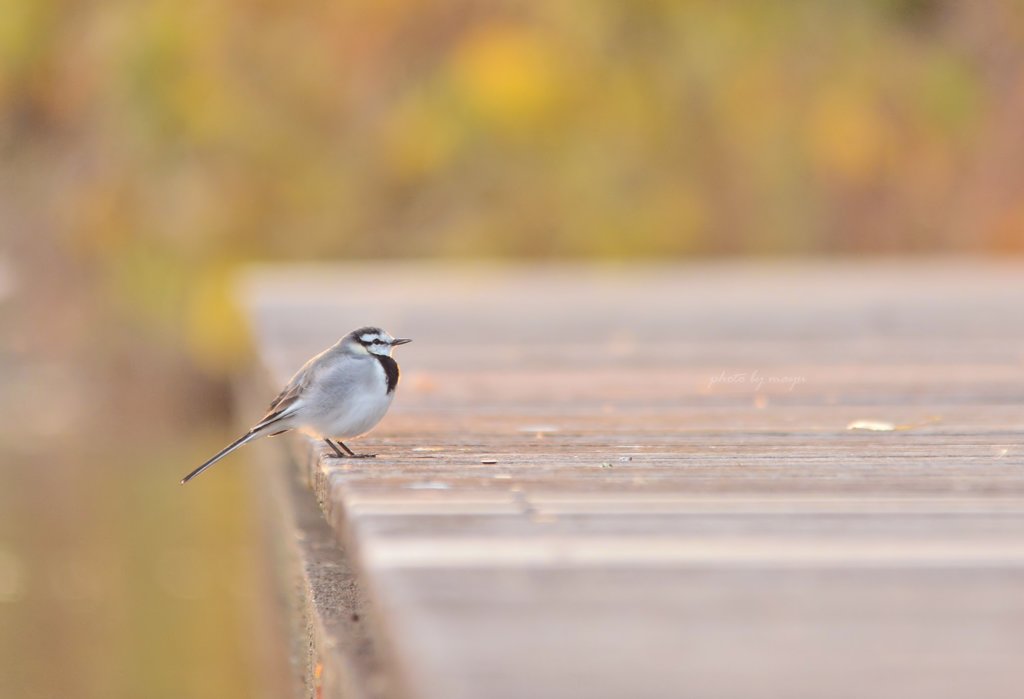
(342, 392)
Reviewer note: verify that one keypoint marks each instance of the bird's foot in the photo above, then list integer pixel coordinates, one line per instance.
(364, 456)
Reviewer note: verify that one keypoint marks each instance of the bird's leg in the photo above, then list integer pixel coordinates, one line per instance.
(348, 453)
(354, 455)
(337, 452)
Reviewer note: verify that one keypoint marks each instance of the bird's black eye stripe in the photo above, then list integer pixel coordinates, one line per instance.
(372, 341)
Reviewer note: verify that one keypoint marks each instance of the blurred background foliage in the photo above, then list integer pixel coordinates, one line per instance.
(155, 145)
(150, 148)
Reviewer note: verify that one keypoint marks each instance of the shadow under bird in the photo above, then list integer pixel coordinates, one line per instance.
(341, 393)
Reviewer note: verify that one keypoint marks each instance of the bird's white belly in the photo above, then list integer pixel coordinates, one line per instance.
(354, 417)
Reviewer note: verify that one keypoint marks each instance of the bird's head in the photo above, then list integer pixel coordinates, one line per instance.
(370, 340)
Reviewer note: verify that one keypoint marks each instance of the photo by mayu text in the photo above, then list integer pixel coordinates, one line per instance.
(755, 379)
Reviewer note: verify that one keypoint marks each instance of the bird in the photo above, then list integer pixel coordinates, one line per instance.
(341, 393)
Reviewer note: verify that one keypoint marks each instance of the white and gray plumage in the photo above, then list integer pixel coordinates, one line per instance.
(341, 393)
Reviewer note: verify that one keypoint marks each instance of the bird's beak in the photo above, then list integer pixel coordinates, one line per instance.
(400, 341)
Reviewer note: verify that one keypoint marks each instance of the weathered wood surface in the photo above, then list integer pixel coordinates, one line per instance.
(675, 505)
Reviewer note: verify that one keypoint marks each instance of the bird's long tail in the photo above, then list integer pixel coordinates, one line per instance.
(247, 437)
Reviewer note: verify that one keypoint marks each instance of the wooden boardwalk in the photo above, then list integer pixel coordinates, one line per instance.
(648, 481)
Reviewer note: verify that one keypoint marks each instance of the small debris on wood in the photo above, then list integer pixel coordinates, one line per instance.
(606, 464)
(488, 461)
(886, 426)
(429, 485)
(871, 425)
(625, 458)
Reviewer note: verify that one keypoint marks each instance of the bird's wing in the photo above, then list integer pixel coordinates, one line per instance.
(279, 408)
(286, 401)
(289, 394)
(289, 398)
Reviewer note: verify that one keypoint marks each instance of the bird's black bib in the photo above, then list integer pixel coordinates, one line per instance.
(390, 370)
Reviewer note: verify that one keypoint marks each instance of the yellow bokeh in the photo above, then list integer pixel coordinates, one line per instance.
(214, 329)
(847, 136)
(507, 74)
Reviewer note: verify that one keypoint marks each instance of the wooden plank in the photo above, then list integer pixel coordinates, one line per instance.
(641, 481)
